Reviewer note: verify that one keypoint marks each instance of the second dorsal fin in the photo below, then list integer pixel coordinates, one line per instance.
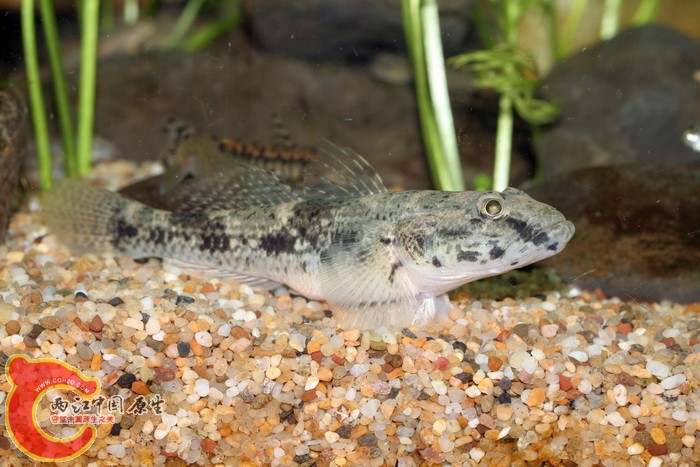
(340, 172)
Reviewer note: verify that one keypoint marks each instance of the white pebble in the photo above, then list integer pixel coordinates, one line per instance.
(680, 415)
(203, 338)
(332, 436)
(635, 449)
(476, 454)
(311, 383)
(657, 369)
(117, 450)
(440, 387)
(369, 409)
(224, 330)
(530, 365)
(673, 381)
(134, 323)
(152, 326)
(147, 303)
(620, 394)
(202, 387)
(655, 462)
(616, 419)
(579, 355)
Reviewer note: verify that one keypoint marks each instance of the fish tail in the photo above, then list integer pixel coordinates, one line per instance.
(82, 215)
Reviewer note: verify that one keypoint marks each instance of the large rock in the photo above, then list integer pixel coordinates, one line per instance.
(624, 101)
(637, 229)
(341, 29)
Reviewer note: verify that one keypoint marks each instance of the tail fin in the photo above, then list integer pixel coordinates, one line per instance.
(80, 215)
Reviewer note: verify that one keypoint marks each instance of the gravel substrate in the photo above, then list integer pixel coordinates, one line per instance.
(257, 378)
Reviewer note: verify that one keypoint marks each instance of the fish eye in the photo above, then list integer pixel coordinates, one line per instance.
(492, 208)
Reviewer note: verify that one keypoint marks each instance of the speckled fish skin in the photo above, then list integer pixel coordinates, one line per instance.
(379, 259)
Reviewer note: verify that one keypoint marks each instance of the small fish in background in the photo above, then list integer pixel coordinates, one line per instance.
(378, 258)
(691, 137)
(195, 155)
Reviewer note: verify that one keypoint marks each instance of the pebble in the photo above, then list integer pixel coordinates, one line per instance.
(203, 338)
(673, 382)
(657, 369)
(620, 395)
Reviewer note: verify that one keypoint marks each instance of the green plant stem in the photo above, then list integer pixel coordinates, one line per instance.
(504, 137)
(131, 11)
(205, 36)
(58, 75)
(36, 99)
(573, 20)
(440, 99)
(184, 23)
(611, 19)
(444, 167)
(88, 72)
(646, 12)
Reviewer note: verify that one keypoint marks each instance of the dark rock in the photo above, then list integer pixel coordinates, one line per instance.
(627, 100)
(637, 230)
(338, 29)
(183, 349)
(126, 380)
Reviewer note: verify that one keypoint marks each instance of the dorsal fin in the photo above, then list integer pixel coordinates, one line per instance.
(340, 172)
(236, 185)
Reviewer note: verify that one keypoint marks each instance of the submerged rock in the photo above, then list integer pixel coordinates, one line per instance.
(626, 100)
(637, 229)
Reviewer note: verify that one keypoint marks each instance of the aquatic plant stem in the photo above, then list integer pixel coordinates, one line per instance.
(36, 99)
(86, 93)
(422, 30)
(646, 12)
(504, 138)
(611, 19)
(184, 23)
(573, 20)
(58, 76)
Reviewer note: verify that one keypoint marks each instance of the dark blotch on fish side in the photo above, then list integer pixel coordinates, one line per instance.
(436, 262)
(540, 238)
(394, 267)
(215, 242)
(496, 252)
(280, 242)
(470, 256)
(553, 246)
(522, 228)
(126, 230)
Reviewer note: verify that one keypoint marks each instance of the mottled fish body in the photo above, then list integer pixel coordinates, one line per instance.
(378, 258)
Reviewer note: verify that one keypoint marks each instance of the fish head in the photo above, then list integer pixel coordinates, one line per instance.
(476, 235)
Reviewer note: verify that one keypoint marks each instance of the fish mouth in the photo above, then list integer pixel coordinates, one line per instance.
(552, 238)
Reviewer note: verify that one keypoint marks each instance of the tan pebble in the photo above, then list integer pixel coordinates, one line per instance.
(313, 346)
(658, 435)
(96, 362)
(197, 348)
(12, 327)
(439, 426)
(504, 412)
(273, 372)
(351, 336)
(325, 374)
(208, 288)
(537, 396)
(50, 322)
